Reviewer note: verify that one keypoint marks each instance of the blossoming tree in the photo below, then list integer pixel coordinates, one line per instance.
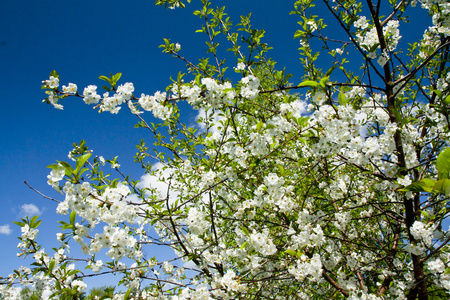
(333, 187)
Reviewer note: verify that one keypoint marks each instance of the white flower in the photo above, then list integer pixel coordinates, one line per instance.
(53, 99)
(55, 176)
(420, 231)
(90, 95)
(177, 47)
(382, 60)
(404, 181)
(79, 284)
(52, 83)
(29, 233)
(57, 173)
(361, 23)
(262, 243)
(126, 90)
(70, 89)
(312, 25)
(250, 88)
(240, 66)
(436, 266)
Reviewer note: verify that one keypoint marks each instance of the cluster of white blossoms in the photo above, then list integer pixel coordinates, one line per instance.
(438, 268)
(308, 236)
(70, 89)
(262, 243)
(155, 105)
(422, 232)
(122, 95)
(90, 95)
(306, 266)
(52, 97)
(215, 95)
(441, 15)
(196, 221)
(440, 10)
(52, 82)
(250, 87)
(368, 39)
(29, 233)
(277, 195)
(43, 281)
(111, 206)
(240, 67)
(229, 282)
(190, 92)
(55, 176)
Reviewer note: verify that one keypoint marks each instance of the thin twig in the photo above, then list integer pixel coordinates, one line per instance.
(50, 198)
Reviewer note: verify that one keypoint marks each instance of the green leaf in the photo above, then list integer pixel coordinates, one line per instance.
(33, 221)
(72, 218)
(328, 73)
(53, 166)
(68, 168)
(244, 245)
(424, 185)
(19, 223)
(116, 77)
(127, 294)
(342, 99)
(54, 74)
(309, 83)
(437, 92)
(281, 170)
(55, 293)
(104, 78)
(291, 252)
(81, 161)
(51, 265)
(259, 126)
(73, 272)
(447, 100)
(398, 116)
(37, 223)
(323, 82)
(244, 230)
(443, 164)
(442, 186)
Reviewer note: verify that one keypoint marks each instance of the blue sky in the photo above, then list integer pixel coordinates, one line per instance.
(83, 40)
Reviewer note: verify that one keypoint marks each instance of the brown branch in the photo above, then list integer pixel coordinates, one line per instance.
(50, 198)
(334, 284)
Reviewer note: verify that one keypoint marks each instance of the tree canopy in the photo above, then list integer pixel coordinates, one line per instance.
(332, 187)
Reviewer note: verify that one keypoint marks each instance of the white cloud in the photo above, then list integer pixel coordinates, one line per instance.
(30, 210)
(190, 265)
(46, 293)
(150, 181)
(5, 229)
